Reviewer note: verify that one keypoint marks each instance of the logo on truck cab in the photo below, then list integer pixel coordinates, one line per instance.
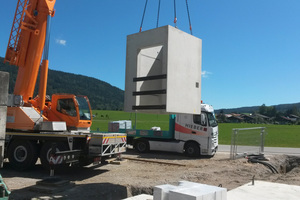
(195, 127)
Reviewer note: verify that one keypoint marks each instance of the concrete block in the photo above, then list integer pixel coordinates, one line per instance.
(140, 197)
(202, 192)
(4, 80)
(161, 192)
(189, 191)
(163, 72)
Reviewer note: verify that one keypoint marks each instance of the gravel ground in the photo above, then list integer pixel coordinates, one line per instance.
(140, 173)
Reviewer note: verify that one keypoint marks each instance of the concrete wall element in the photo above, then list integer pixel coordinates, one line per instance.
(189, 191)
(4, 80)
(167, 62)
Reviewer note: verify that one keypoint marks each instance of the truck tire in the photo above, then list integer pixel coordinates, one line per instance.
(22, 154)
(192, 149)
(46, 150)
(142, 146)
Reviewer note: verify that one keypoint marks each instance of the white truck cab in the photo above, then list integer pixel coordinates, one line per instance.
(198, 132)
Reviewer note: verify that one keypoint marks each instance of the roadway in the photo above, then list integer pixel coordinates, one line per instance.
(267, 150)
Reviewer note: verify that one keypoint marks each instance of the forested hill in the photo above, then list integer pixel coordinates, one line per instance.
(102, 95)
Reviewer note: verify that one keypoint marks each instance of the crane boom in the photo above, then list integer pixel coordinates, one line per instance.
(26, 42)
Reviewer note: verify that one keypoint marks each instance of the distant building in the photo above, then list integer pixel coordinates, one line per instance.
(248, 118)
(291, 119)
(285, 120)
(234, 118)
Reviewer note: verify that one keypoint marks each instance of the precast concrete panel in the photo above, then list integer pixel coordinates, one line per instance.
(4, 80)
(163, 72)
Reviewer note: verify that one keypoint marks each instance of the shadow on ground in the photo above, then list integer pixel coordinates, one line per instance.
(99, 191)
(38, 172)
(163, 155)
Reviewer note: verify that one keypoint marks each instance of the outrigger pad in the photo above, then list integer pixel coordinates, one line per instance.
(163, 72)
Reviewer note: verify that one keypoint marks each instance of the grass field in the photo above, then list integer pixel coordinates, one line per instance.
(143, 121)
(277, 135)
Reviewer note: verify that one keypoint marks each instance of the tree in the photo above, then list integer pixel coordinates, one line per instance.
(269, 111)
(263, 109)
(292, 111)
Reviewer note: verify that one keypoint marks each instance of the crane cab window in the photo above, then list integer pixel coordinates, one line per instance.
(66, 106)
(200, 119)
(84, 108)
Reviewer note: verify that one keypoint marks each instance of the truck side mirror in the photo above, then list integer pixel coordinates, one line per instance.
(203, 119)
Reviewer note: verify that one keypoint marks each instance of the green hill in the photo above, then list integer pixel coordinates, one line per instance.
(102, 95)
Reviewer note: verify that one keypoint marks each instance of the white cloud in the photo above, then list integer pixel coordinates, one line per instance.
(205, 74)
(61, 42)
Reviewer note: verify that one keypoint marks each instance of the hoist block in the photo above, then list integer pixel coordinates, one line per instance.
(163, 72)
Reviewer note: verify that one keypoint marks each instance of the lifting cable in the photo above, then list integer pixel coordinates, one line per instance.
(175, 17)
(188, 12)
(143, 15)
(158, 13)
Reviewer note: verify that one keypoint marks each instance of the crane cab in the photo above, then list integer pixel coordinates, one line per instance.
(74, 110)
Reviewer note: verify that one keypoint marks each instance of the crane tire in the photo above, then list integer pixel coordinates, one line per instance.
(46, 150)
(22, 154)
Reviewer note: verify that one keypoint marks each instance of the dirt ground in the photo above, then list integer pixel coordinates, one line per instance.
(140, 173)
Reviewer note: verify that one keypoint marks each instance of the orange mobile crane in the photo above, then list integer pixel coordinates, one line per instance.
(34, 124)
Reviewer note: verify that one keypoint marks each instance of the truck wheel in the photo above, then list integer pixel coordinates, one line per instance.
(141, 146)
(192, 149)
(22, 154)
(46, 150)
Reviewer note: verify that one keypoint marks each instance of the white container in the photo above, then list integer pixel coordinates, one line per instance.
(114, 126)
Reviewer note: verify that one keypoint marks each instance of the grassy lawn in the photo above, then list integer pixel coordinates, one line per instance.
(144, 121)
(277, 135)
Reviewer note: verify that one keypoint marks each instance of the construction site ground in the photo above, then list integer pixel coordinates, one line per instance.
(139, 173)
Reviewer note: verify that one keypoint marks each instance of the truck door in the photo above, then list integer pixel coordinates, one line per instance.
(191, 127)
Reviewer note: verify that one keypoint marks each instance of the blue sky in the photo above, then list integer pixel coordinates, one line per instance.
(251, 48)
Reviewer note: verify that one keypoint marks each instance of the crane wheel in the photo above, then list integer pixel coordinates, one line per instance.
(46, 150)
(22, 154)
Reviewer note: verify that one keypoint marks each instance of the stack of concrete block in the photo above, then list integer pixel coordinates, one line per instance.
(189, 191)
(4, 80)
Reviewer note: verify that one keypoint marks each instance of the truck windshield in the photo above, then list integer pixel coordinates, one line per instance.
(84, 109)
(212, 120)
